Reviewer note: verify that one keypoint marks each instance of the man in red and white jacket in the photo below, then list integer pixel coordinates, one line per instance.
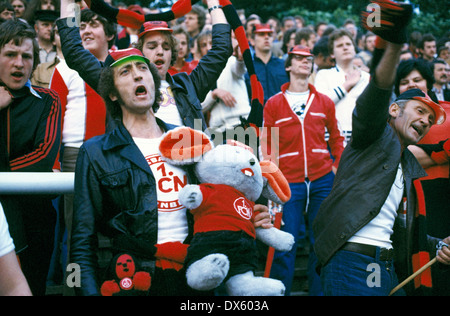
(295, 121)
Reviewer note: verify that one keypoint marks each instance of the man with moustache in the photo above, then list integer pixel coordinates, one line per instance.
(43, 28)
(440, 88)
(344, 82)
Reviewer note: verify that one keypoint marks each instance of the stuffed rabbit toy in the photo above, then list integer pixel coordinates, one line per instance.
(231, 180)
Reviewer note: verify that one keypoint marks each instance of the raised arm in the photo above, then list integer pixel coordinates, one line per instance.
(389, 21)
(217, 16)
(430, 155)
(76, 57)
(386, 69)
(205, 75)
(371, 111)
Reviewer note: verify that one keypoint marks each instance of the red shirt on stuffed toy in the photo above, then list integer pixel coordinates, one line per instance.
(235, 212)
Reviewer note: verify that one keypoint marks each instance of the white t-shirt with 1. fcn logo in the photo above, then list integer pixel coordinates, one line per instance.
(172, 219)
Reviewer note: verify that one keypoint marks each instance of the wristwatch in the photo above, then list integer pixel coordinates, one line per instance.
(214, 7)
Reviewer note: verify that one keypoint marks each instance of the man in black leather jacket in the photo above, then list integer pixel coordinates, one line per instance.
(120, 185)
(159, 46)
(115, 189)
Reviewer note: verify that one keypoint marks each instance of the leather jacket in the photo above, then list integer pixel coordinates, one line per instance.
(30, 137)
(366, 172)
(115, 195)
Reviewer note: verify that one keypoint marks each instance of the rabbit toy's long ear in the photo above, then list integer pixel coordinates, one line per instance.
(184, 146)
(276, 187)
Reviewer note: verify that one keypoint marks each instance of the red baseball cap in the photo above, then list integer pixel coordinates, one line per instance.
(419, 95)
(262, 28)
(122, 55)
(152, 26)
(300, 50)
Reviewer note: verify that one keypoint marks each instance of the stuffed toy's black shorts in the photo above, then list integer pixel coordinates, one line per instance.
(238, 246)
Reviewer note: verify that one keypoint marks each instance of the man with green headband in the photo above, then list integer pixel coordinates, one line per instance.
(126, 192)
(115, 191)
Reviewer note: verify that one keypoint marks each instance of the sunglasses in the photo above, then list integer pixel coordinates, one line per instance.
(301, 57)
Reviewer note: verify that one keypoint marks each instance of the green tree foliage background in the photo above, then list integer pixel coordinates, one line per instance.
(433, 17)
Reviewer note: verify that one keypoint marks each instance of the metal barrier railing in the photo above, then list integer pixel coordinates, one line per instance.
(37, 182)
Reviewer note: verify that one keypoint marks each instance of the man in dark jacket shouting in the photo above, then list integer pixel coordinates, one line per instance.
(361, 227)
(30, 133)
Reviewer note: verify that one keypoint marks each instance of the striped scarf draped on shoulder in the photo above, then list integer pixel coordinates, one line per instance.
(421, 255)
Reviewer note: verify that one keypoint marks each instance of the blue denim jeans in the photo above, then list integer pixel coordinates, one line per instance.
(353, 274)
(302, 208)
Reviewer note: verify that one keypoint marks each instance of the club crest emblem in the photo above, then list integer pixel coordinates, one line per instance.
(243, 208)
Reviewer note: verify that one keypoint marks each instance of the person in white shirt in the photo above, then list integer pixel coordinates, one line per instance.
(12, 280)
(130, 86)
(229, 101)
(344, 82)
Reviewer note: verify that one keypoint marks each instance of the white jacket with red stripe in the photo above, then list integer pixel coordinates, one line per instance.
(298, 145)
(83, 110)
